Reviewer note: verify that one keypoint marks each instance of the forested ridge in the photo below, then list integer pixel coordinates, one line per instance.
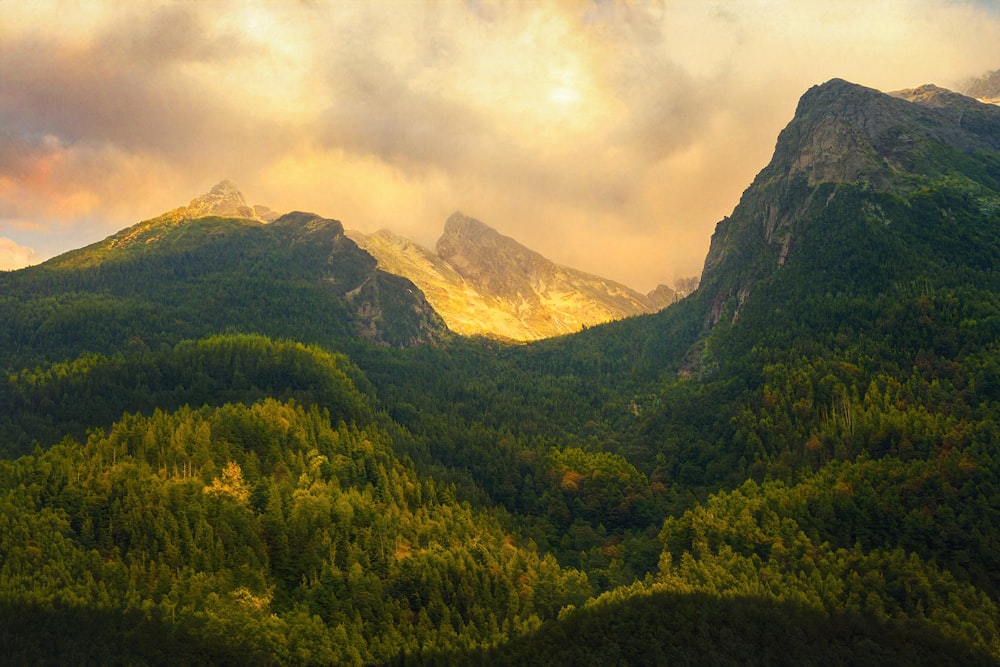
(797, 463)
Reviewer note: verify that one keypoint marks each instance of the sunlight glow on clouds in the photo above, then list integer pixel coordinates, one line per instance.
(14, 256)
(610, 136)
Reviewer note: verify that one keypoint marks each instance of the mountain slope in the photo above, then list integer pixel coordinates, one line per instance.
(174, 277)
(481, 281)
(705, 629)
(862, 259)
(859, 183)
(224, 200)
(847, 326)
(256, 534)
(466, 309)
(863, 262)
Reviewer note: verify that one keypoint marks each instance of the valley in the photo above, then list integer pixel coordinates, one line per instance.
(232, 436)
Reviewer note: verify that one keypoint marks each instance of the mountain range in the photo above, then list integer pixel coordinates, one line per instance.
(478, 281)
(231, 442)
(482, 282)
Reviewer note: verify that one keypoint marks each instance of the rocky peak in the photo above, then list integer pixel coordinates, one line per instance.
(224, 200)
(483, 282)
(486, 257)
(929, 95)
(842, 134)
(835, 97)
(458, 225)
(663, 296)
(847, 133)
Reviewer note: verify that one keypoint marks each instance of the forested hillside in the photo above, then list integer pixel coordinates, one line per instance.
(170, 278)
(797, 463)
(254, 534)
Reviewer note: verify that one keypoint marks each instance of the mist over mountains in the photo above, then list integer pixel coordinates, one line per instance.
(985, 88)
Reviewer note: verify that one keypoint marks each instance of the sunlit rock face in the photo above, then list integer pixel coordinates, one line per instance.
(485, 283)
(224, 200)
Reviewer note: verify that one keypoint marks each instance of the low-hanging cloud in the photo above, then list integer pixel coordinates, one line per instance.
(14, 256)
(608, 135)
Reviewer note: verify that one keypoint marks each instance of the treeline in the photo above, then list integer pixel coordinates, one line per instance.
(42, 405)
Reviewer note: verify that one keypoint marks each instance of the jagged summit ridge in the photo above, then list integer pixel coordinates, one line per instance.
(483, 282)
(844, 132)
(225, 200)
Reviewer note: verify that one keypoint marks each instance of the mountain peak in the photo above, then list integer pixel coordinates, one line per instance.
(844, 132)
(483, 282)
(477, 250)
(832, 96)
(459, 225)
(936, 97)
(224, 187)
(925, 93)
(224, 199)
(822, 196)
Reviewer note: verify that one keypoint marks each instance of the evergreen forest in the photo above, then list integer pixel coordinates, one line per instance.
(215, 453)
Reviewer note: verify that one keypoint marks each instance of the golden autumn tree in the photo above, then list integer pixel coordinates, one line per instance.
(231, 483)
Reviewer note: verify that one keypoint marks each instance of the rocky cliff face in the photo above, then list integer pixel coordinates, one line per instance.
(830, 193)
(385, 308)
(226, 201)
(482, 282)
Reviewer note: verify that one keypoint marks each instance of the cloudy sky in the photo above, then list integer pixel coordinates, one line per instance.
(609, 136)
